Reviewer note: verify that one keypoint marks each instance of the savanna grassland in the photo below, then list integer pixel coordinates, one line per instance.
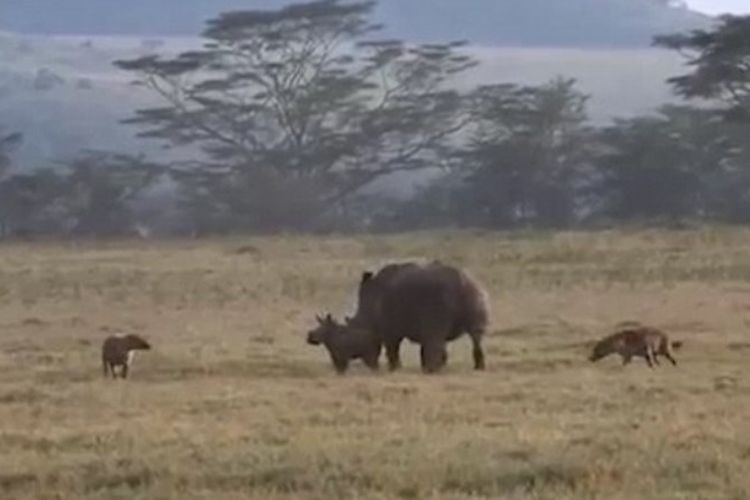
(231, 403)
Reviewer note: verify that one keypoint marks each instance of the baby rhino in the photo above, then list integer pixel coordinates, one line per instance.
(643, 341)
(118, 351)
(345, 343)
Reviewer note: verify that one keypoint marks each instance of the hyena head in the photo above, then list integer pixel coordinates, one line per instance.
(327, 326)
(601, 349)
(135, 342)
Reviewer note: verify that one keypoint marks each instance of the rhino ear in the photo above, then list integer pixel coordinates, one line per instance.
(366, 276)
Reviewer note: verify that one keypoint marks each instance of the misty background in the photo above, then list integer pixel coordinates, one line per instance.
(63, 92)
(61, 97)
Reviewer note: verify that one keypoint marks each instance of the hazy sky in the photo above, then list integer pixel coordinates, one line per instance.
(721, 6)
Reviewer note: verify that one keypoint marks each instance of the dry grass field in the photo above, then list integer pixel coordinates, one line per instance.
(233, 404)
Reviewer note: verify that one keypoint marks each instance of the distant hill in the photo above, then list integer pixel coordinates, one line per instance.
(568, 23)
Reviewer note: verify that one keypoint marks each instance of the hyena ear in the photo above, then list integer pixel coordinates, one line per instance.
(319, 319)
(366, 276)
(329, 319)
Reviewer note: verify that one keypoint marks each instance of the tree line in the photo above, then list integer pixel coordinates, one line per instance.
(285, 118)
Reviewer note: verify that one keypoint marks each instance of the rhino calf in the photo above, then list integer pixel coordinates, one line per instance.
(118, 351)
(345, 343)
(643, 341)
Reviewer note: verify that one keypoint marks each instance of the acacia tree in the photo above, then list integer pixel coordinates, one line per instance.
(720, 73)
(297, 108)
(720, 62)
(527, 154)
(525, 160)
(30, 203)
(100, 190)
(28, 200)
(94, 194)
(681, 163)
(7, 143)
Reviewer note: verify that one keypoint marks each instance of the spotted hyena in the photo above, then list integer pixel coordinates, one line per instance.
(643, 341)
(118, 351)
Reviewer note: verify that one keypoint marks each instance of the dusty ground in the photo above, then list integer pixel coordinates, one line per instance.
(233, 404)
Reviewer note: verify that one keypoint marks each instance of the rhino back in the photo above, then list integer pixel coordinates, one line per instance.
(422, 302)
(372, 293)
(475, 312)
(404, 299)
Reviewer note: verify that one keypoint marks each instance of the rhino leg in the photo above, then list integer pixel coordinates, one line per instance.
(392, 348)
(433, 355)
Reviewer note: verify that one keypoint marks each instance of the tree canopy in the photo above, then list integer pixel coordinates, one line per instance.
(283, 118)
(720, 62)
(302, 104)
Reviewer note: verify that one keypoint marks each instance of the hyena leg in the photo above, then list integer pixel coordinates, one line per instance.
(478, 353)
(668, 355)
(650, 358)
(392, 348)
(626, 359)
(105, 368)
(125, 370)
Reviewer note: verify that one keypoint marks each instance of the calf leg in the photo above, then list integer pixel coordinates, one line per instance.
(478, 353)
(340, 364)
(372, 363)
(371, 359)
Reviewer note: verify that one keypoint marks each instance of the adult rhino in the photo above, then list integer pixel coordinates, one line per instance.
(430, 305)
